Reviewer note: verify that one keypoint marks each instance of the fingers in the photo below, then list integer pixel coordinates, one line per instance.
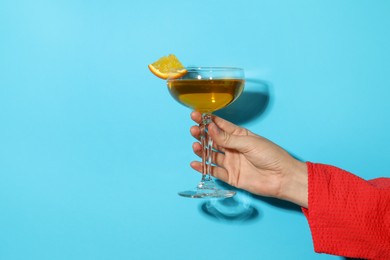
(223, 138)
(227, 126)
(222, 123)
(217, 172)
(218, 157)
(197, 166)
(197, 148)
(195, 132)
(196, 116)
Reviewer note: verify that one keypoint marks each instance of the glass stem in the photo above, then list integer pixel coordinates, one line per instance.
(207, 150)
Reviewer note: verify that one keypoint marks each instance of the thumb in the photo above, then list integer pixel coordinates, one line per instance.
(224, 139)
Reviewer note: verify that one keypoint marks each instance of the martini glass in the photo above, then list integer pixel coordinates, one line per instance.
(207, 89)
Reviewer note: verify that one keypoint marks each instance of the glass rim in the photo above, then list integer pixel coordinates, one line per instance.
(210, 68)
(216, 72)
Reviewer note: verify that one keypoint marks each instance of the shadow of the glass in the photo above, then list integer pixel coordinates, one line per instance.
(252, 104)
(240, 208)
(237, 209)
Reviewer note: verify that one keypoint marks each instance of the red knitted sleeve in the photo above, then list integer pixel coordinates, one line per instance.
(348, 216)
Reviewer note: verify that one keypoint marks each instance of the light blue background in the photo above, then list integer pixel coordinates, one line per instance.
(93, 149)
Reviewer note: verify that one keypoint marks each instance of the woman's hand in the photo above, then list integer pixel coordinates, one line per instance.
(253, 163)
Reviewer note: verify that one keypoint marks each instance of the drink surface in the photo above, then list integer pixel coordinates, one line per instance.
(206, 95)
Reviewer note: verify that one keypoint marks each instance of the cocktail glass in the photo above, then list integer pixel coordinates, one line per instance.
(207, 89)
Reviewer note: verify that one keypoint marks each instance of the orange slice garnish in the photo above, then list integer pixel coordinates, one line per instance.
(168, 67)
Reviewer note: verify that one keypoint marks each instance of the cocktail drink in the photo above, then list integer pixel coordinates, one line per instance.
(207, 89)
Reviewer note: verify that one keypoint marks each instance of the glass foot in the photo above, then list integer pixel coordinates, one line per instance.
(207, 189)
(207, 193)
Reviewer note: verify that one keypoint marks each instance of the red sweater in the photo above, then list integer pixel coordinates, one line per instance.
(347, 215)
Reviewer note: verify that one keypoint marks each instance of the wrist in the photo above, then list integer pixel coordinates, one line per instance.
(295, 185)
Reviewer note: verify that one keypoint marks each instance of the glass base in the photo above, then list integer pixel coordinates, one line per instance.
(207, 189)
(204, 193)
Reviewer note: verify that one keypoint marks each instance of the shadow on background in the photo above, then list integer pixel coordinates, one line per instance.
(252, 104)
(237, 209)
(240, 208)
(281, 204)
